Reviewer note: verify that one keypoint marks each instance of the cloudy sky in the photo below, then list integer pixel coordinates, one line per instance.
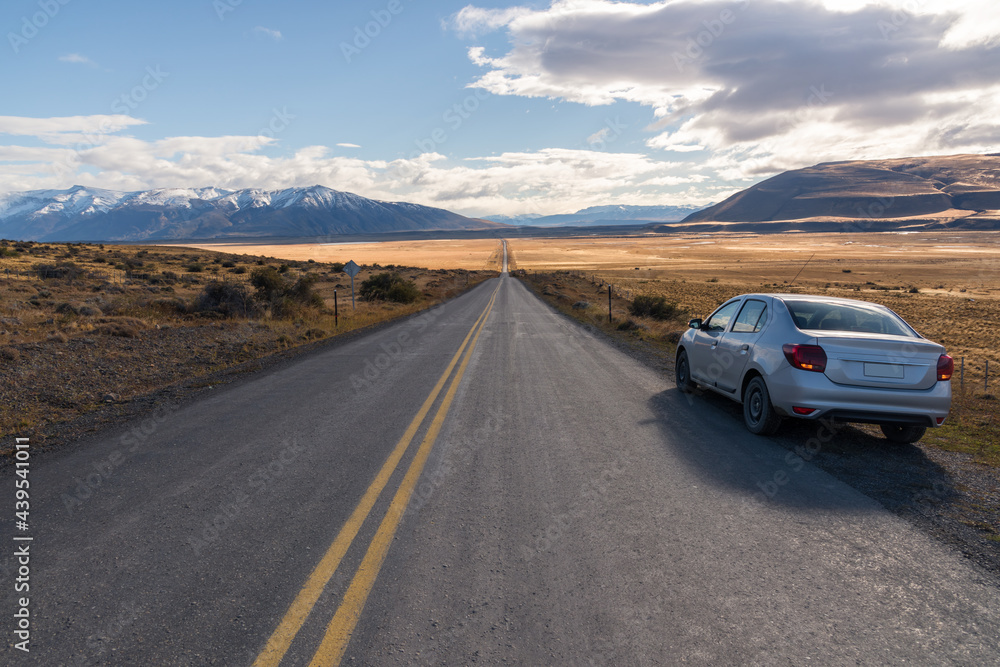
(487, 108)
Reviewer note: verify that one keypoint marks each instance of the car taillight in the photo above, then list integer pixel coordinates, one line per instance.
(805, 357)
(945, 367)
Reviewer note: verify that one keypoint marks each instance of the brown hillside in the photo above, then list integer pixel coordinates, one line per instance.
(952, 187)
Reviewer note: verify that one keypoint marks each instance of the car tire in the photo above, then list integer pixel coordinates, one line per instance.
(902, 435)
(758, 413)
(682, 373)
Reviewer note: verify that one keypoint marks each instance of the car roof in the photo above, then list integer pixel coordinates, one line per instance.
(809, 297)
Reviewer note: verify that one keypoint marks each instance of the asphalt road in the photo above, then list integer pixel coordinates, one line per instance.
(568, 507)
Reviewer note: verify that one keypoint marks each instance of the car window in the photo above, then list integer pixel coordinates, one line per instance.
(752, 317)
(719, 321)
(846, 317)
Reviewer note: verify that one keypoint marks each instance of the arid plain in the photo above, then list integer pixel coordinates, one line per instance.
(946, 284)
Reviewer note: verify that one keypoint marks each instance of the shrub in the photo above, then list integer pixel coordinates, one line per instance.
(66, 270)
(268, 283)
(228, 264)
(283, 297)
(194, 267)
(389, 287)
(652, 306)
(174, 305)
(228, 299)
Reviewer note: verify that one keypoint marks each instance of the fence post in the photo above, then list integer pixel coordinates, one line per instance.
(336, 314)
(986, 382)
(961, 376)
(609, 304)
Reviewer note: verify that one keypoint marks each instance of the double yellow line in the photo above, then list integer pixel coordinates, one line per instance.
(338, 632)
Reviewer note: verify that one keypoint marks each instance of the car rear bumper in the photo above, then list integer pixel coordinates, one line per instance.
(790, 388)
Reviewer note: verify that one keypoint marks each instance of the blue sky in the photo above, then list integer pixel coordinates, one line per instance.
(486, 108)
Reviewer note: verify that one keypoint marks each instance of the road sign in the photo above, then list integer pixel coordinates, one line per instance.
(352, 270)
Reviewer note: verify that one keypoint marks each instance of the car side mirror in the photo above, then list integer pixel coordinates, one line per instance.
(694, 324)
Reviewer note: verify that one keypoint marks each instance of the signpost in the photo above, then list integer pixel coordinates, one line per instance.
(352, 270)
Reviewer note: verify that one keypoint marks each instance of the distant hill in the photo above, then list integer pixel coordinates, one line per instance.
(602, 216)
(93, 214)
(959, 191)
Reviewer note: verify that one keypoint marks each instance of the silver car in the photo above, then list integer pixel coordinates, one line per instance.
(817, 357)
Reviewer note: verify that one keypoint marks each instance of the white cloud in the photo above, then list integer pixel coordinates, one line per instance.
(66, 130)
(545, 181)
(763, 85)
(349, 146)
(267, 32)
(475, 21)
(78, 59)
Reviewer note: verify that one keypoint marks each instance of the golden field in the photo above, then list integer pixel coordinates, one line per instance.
(468, 254)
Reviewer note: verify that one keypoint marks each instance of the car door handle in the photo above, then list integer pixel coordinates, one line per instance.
(745, 348)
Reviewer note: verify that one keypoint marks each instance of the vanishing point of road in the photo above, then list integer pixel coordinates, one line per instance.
(486, 482)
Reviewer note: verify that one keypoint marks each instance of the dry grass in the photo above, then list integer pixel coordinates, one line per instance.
(468, 254)
(120, 321)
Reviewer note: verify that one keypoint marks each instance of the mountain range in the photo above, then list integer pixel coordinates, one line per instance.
(602, 216)
(957, 191)
(93, 214)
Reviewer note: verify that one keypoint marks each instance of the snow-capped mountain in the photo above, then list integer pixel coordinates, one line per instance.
(602, 216)
(93, 214)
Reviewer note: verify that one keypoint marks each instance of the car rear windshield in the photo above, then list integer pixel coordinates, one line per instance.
(846, 317)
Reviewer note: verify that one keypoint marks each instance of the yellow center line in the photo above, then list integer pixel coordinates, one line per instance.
(338, 632)
(304, 602)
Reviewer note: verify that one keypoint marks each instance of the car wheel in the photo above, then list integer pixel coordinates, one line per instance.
(682, 373)
(903, 435)
(758, 413)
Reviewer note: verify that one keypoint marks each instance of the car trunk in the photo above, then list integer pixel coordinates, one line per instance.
(895, 362)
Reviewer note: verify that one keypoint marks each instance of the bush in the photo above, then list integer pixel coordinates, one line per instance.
(194, 267)
(652, 306)
(389, 287)
(67, 270)
(283, 297)
(228, 299)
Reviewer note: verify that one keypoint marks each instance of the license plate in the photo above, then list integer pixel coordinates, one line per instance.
(894, 371)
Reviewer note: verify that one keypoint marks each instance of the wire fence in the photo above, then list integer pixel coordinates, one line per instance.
(972, 376)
